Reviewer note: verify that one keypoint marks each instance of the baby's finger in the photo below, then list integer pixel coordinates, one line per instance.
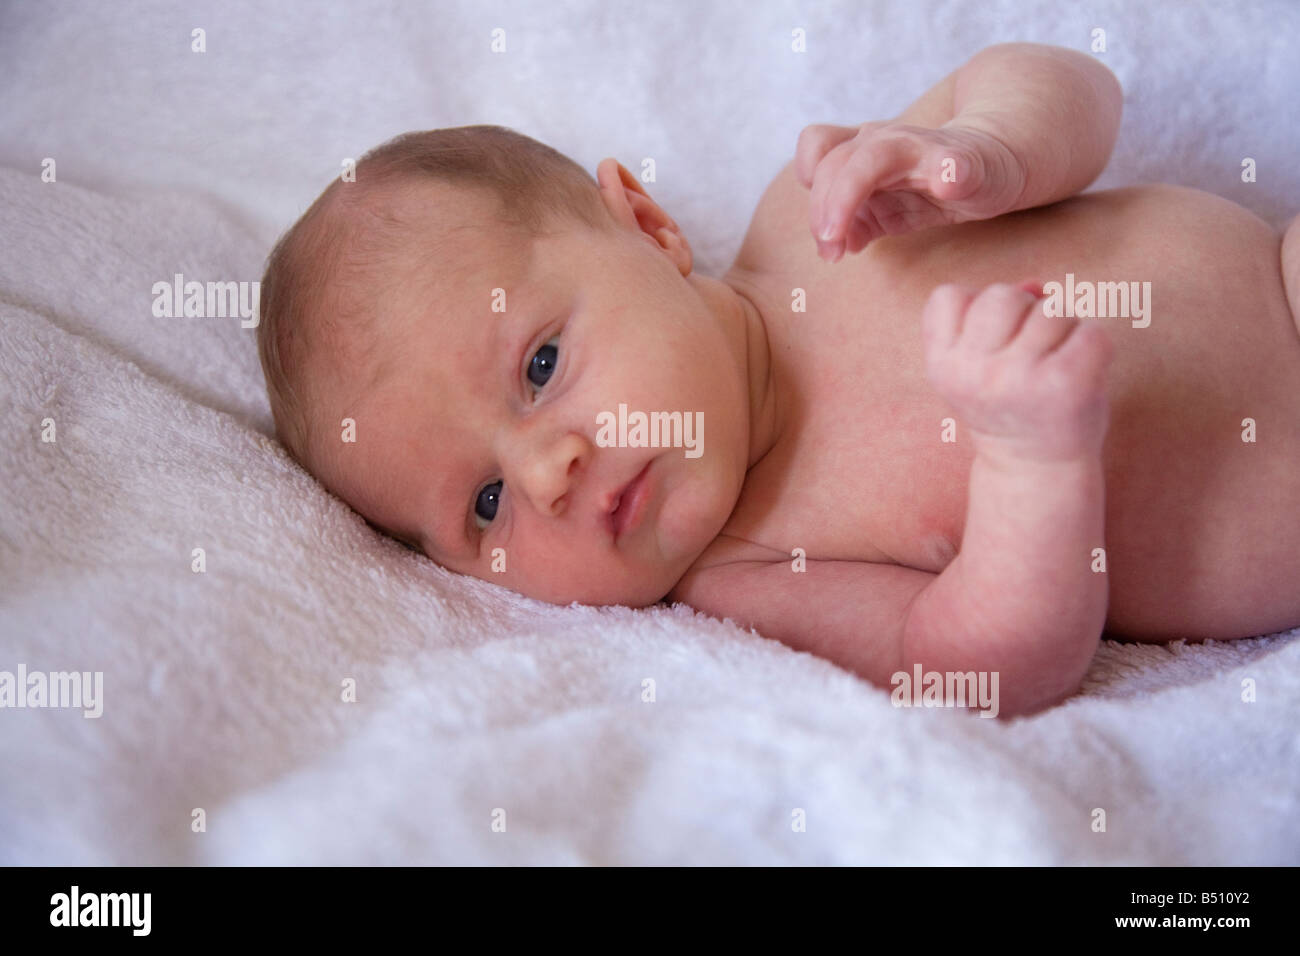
(941, 319)
(827, 172)
(864, 228)
(1086, 351)
(814, 143)
(1041, 333)
(868, 168)
(996, 316)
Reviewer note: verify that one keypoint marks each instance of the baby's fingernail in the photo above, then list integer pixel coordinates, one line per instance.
(828, 229)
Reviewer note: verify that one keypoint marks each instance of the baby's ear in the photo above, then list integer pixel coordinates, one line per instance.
(630, 204)
(615, 172)
(627, 199)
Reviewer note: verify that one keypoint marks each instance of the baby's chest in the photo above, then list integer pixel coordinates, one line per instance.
(869, 467)
(872, 466)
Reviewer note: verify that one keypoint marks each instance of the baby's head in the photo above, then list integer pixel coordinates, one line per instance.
(443, 338)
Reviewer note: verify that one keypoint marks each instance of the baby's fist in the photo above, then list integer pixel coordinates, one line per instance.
(1028, 385)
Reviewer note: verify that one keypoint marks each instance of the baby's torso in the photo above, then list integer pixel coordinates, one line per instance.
(862, 471)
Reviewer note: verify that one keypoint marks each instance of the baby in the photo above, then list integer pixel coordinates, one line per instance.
(983, 424)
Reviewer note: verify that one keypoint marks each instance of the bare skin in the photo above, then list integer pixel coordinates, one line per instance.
(1201, 532)
(824, 437)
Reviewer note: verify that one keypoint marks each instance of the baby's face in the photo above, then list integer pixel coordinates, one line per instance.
(481, 441)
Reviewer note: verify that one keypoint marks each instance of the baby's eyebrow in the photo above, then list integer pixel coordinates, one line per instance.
(449, 538)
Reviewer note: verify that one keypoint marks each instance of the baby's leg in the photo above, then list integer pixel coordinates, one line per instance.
(1291, 268)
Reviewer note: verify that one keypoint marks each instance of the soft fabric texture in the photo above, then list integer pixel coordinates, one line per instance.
(223, 690)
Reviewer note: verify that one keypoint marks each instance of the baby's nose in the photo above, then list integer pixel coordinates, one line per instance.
(551, 477)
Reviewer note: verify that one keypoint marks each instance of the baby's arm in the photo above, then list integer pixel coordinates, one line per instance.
(1019, 125)
(1021, 597)
(1055, 109)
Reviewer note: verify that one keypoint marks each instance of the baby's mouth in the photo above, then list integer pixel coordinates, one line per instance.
(630, 503)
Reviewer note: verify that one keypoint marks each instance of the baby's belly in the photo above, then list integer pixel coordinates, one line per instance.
(1202, 523)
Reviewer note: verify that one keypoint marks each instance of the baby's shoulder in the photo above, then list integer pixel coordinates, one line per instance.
(779, 238)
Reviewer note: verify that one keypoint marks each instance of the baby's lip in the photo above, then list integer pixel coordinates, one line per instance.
(615, 515)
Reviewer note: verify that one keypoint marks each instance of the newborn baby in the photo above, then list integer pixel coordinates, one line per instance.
(969, 424)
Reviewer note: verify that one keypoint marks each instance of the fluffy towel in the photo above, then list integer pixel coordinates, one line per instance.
(223, 690)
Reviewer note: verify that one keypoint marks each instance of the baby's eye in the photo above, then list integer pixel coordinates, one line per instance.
(542, 366)
(485, 508)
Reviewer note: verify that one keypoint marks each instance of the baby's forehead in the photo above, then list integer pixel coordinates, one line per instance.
(461, 294)
(424, 253)
(391, 216)
(457, 302)
(425, 260)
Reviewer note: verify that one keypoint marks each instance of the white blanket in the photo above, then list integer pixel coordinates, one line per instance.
(223, 690)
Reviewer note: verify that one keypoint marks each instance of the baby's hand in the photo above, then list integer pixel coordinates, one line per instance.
(887, 178)
(1029, 386)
